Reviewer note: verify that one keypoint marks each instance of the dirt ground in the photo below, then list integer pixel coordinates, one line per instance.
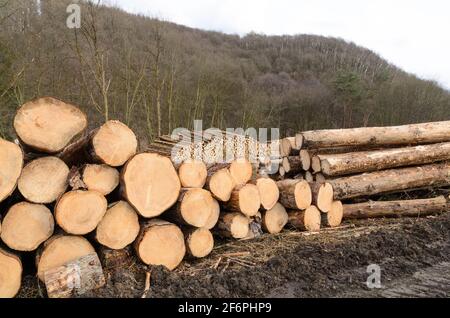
(413, 254)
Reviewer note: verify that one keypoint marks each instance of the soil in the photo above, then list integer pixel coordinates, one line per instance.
(413, 254)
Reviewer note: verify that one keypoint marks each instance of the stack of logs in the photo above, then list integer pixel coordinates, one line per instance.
(78, 201)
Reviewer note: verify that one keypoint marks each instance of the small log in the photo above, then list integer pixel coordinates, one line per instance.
(199, 241)
(232, 225)
(192, 174)
(220, 183)
(241, 171)
(268, 192)
(150, 184)
(214, 217)
(75, 278)
(11, 163)
(333, 218)
(295, 194)
(399, 208)
(274, 220)
(119, 227)
(320, 178)
(245, 199)
(316, 164)
(160, 243)
(44, 180)
(48, 125)
(59, 250)
(322, 195)
(309, 176)
(305, 220)
(10, 274)
(26, 226)
(79, 212)
(100, 178)
(113, 259)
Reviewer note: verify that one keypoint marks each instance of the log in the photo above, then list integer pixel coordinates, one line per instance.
(194, 207)
(305, 220)
(150, 184)
(115, 259)
(220, 183)
(322, 195)
(79, 212)
(333, 218)
(309, 176)
(75, 278)
(393, 180)
(11, 163)
(59, 250)
(320, 178)
(26, 226)
(399, 208)
(366, 161)
(295, 194)
(192, 174)
(48, 125)
(268, 192)
(113, 144)
(160, 243)
(241, 171)
(316, 165)
(232, 225)
(101, 178)
(395, 135)
(119, 227)
(298, 141)
(305, 159)
(244, 199)
(274, 220)
(44, 180)
(10, 274)
(214, 217)
(199, 241)
(288, 146)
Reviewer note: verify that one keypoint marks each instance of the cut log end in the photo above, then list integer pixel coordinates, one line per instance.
(79, 212)
(161, 243)
(241, 171)
(316, 165)
(274, 219)
(100, 178)
(214, 216)
(303, 196)
(245, 199)
(305, 159)
(233, 225)
(192, 174)
(150, 184)
(221, 184)
(10, 274)
(48, 124)
(11, 162)
(306, 220)
(199, 242)
(196, 207)
(268, 192)
(322, 196)
(119, 227)
(26, 226)
(114, 143)
(44, 180)
(334, 216)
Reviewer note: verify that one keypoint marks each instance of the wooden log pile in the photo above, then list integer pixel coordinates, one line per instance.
(81, 200)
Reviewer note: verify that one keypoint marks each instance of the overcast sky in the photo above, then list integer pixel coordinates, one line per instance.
(413, 35)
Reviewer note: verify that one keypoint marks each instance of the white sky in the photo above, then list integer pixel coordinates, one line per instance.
(411, 34)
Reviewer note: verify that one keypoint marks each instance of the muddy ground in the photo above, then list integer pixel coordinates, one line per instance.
(413, 253)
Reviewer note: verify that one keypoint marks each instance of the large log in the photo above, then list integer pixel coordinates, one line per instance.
(48, 125)
(10, 274)
(366, 161)
(199, 241)
(295, 194)
(220, 183)
(305, 220)
(59, 250)
(274, 220)
(378, 136)
(393, 180)
(233, 225)
(101, 178)
(150, 184)
(160, 243)
(79, 212)
(119, 227)
(376, 209)
(113, 144)
(244, 199)
(268, 192)
(26, 226)
(11, 163)
(192, 174)
(44, 180)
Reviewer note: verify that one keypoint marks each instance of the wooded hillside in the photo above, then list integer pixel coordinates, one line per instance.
(155, 75)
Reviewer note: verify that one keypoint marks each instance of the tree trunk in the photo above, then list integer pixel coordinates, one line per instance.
(100, 178)
(295, 194)
(160, 243)
(322, 195)
(356, 162)
(44, 180)
(48, 125)
(119, 227)
(10, 274)
(244, 199)
(274, 220)
(26, 226)
(414, 208)
(378, 136)
(11, 163)
(79, 212)
(393, 180)
(199, 241)
(233, 225)
(333, 217)
(112, 144)
(305, 220)
(150, 184)
(192, 174)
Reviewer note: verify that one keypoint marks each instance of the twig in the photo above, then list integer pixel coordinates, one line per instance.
(147, 284)
(236, 254)
(217, 263)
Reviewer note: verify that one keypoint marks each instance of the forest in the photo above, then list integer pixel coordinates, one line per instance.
(155, 75)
